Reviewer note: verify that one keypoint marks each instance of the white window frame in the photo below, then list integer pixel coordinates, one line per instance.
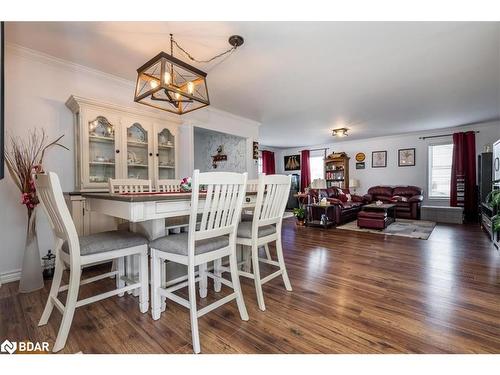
(429, 159)
(318, 155)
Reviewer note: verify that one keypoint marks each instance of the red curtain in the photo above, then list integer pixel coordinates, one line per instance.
(305, 170)
(268, 166)
(463, 174)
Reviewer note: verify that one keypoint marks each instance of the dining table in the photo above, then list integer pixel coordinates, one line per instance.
(146, 213)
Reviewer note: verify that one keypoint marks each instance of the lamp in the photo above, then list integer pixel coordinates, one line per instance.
(353, 183)
(340, 132)
(168, 83)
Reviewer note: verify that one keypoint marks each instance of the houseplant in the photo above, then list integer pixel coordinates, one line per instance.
(23, 158)
(300, 215)
(494, 201)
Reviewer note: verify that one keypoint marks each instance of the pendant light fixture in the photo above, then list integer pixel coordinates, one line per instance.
(168, 83)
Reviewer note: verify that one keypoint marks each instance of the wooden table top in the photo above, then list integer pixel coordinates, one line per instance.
(383, 206)
(145, 197)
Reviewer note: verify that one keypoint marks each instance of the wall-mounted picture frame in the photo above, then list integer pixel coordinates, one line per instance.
(360, 165)
(255, 150)
(360, 156)
(2, 100)
(379, 159)
(292, 163)
(406, 157)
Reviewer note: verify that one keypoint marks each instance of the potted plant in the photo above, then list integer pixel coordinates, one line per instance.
(300, 215)
(494, 201)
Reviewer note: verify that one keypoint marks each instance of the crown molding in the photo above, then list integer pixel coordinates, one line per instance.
(74, 103)
(44, 58)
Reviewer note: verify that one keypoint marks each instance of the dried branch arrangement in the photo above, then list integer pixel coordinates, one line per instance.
(24, 157)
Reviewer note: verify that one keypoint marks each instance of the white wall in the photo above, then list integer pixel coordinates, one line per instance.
(37, 86)
(394, 175)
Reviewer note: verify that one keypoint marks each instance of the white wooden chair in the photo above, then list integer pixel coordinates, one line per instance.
(212, 238)
(168, 186)
(78, 253)
(129, 185)
(272, 195)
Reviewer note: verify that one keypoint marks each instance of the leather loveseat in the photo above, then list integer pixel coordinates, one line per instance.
(408, 199)
(344, 207)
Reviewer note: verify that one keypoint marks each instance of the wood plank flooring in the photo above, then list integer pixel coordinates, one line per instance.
(353, 292)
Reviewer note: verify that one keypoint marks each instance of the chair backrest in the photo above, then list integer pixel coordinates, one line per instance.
(129, 185)
(168, 186)
(272, 196)
(220, 207)
(252, 185)
(49, 192)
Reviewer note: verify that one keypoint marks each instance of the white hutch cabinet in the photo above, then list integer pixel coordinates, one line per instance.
(118, 142)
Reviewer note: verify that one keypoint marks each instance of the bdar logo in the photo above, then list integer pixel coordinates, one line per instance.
(8, 347)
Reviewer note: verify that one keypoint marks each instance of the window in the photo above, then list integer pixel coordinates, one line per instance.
(259, 163)
(317, 167)
(440, 157)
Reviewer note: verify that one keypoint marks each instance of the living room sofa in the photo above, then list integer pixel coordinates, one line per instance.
(408, 199)
(344, 206)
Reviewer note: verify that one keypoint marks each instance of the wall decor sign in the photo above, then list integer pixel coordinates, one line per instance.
(406, 157)
(255, 150)
(360, 165)
(379, 159)
(292, 163)
(360, 156)
(2, 95)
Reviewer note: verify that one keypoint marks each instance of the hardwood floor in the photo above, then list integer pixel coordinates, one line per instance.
(353, 292)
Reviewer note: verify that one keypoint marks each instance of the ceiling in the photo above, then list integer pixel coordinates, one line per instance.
(302, 79)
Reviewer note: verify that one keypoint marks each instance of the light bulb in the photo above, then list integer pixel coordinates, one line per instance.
(190, 87)
(167, 78)
(153, 84)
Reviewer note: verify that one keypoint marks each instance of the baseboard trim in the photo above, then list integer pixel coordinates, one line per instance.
(10, 276)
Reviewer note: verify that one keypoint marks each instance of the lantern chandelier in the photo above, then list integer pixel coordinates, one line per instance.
(168, 83)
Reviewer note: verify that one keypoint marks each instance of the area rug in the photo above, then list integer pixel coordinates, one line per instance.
(420, 229)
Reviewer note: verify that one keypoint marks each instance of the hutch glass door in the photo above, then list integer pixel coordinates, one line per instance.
(101, 150)
(166, 154)
(137, 152)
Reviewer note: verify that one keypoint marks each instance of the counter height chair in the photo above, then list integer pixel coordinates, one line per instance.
(76, 253)
(168, 186)
(214, 237)
(272, 196)
(129, 185)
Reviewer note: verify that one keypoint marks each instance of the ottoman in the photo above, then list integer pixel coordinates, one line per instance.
(373, 219)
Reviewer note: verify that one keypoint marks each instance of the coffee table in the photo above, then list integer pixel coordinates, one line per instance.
(373, 216)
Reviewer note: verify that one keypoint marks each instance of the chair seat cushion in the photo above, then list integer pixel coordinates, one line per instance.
(107, 241)
(178, 244)
(245, 230)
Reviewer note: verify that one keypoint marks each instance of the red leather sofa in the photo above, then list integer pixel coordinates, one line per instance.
(408, 199)
(341, 209)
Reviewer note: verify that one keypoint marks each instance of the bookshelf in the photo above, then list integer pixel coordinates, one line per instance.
(337, 171)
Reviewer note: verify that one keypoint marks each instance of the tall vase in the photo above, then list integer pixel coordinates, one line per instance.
(31, 272)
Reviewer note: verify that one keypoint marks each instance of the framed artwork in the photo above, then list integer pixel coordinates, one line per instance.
(292, 163)
(406, 157)
(2, 102)
(360, 165)
(379, 159)
(255, 150)
(360, 156)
